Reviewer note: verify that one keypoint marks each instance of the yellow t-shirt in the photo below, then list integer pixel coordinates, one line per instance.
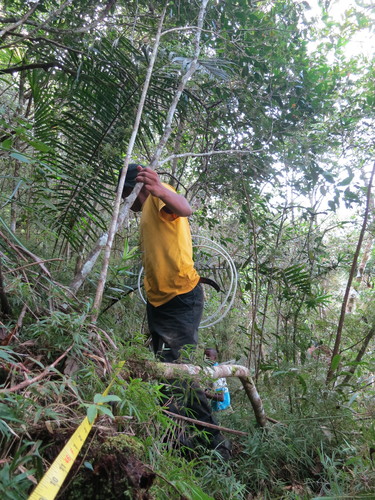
(167, 252)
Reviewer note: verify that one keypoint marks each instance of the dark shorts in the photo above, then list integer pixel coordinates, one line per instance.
(174, 325)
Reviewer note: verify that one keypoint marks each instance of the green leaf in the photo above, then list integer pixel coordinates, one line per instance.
(48, 203)
(335, 361)
(5, 354)
(20, 157)
(191, 491)
(353, 398)
(332, 205)
(7, 144)
(128, 252)
(106, 411)
(6, 413)
(40, 146)
(92, 412)
(328, 177)
(100, 399)
(346, 181)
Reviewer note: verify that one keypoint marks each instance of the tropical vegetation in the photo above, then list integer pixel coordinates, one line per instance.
(262, 115)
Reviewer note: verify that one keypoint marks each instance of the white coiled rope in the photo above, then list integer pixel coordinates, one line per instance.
(230, 294)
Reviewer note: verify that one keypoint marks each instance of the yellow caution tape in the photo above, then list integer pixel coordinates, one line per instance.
(53, 479)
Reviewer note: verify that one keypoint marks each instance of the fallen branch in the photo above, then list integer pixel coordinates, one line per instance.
(37, 259)
(95, 327)
(30, 381)
(272, 420)
(177, 370)
(21, 250)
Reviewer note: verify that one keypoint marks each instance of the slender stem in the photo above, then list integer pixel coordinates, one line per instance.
(360, 355)
(20, 21)
(185, 78)
(211, 153)
(204, 424)
(116, 210)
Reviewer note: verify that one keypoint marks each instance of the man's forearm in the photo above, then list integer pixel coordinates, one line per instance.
(176, 203)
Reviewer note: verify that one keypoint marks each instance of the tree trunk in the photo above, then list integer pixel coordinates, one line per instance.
(336, 347)
(361, 268)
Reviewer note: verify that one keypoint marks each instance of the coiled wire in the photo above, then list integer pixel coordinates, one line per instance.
(227, 302)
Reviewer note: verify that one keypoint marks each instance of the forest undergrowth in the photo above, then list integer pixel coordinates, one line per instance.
(318, 445)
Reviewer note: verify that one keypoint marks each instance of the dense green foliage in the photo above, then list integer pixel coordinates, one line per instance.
(271, 142)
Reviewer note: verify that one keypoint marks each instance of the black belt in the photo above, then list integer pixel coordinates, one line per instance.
(209, 281)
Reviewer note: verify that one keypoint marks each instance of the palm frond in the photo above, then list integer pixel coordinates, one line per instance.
(86, 121)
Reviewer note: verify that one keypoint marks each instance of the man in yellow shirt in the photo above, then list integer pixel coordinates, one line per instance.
(174, 294)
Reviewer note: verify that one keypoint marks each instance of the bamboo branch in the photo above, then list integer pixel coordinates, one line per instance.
(20, 268)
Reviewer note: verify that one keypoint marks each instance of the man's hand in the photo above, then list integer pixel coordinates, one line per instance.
(151, 181)
(175, 203)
